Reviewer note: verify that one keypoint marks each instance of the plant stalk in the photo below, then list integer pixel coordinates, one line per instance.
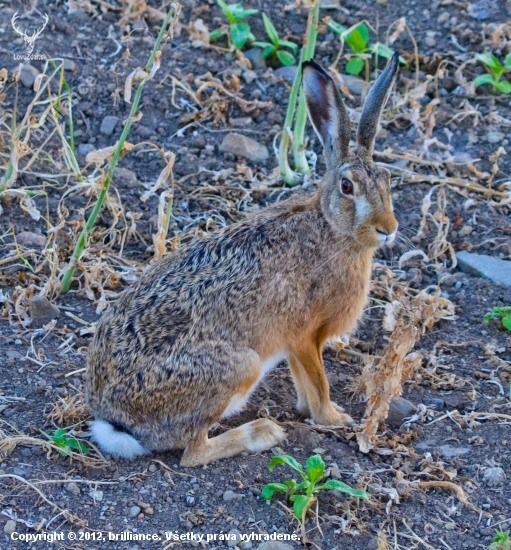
(301, 164)
(80, 245)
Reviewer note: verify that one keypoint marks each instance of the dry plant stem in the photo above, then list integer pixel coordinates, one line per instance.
(80, 245)
(300, 159)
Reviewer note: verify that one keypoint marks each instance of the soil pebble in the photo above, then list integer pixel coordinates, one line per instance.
(243, 146)
(494, 477)
(488, 267)
(85, 148)
(10, 527)
(229, 495)
(73, 488)
(28, 74)
(108, 125)
(42, 311)
(288, 73)
(399, 409)
(31, 239)
(134, 511)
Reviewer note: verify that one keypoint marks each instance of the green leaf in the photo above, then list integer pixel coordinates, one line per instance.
(60, 433)
(335, 485)
(490, 61)
(240, 13)
(271, 31)
(216, 34)
(239, 34)
(507, 61)
(269, 489)
(292, 486)
(483, 79)
(356, 40)
(504, 86)
(383, 51)
(315, 468)
(355, 65)
(227, 10)
(63, 453)
(285, 459)
(506, 322)
(364, 31)
(336, 27)
(301, 504)
(268, 50)
(285, 58)
(288, 44)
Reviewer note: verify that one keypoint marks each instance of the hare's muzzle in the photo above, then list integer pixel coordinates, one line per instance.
(386, 229)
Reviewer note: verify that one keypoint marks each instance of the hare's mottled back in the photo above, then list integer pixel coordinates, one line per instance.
(187, 344)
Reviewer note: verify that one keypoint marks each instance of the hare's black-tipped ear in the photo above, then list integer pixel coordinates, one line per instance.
(375, 102)
(327, 111)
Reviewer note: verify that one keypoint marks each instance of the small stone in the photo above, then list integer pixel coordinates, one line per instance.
(249, 76)
(42, 311)
(243, 146)
(10, 527)
(28, 74)
(435, 404)
(304, 437)
(254, 56)
(443, 17)
(240, 122)
(31, 239)
(108, 125)
(149, 510)
(450, 451)
(274, 545)
(245, 545)
(233, 541)
(73, 488)
(495, 137)
(96, 494)
(430, 41)
(153, 468)
(85, 148)
(26, 451)
(354, 84)
(494, 477)
(450, 526)
(198, 141)
(134, 511)
(287, 73)
(465, 231)
(488, 267)
(229, 496)
(399, 409)
(69, 65)
(125, 178)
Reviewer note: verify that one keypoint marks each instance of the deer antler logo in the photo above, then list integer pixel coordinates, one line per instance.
(29, 40)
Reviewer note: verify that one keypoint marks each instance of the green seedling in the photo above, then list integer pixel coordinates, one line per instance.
(358, 40)
(496, 70)
(273, 50)
(308, 487)
(66, 444)
(239, 31)
(502, 541)
(502, 313)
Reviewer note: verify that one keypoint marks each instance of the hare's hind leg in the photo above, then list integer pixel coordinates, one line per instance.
(312, 387)
(259, 435)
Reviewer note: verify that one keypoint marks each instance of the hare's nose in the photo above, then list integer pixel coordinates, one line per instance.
(386, 238)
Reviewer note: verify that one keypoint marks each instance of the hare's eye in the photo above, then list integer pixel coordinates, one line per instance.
(347, 186)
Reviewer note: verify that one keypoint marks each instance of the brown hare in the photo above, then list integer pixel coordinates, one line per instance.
(188, 343)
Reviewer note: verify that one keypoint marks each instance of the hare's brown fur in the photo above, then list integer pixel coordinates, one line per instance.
(188, 343)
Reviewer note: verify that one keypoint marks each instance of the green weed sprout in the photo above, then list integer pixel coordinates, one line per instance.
(315, 471)
(82, 239)
(502, 541)
(239, 31)
(358, 41)
(272, 50)
(496, 70)
(66, 444)
(301, 165)
(502, 313)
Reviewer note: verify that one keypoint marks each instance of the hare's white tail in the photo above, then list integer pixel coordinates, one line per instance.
(115, 442)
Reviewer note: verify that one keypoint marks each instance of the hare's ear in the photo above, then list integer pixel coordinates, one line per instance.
(375, 102)
(327, 112)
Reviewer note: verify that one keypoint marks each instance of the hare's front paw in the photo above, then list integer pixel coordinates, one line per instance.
(332, 415)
